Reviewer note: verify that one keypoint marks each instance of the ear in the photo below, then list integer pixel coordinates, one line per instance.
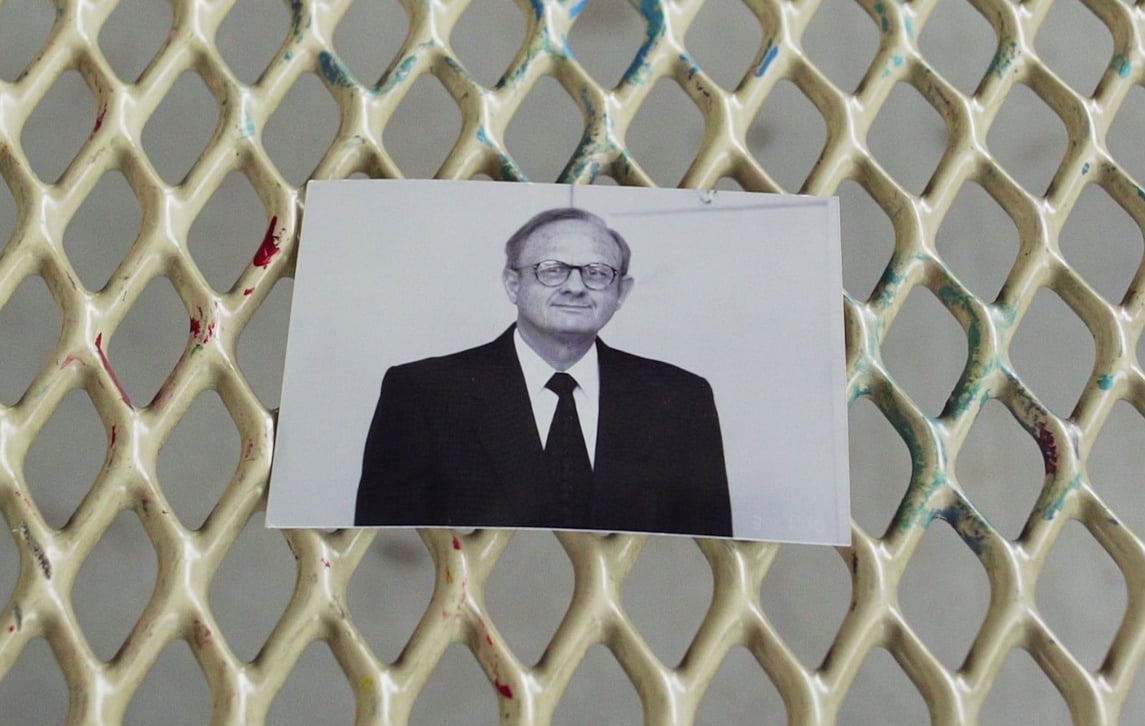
(623, 287)
(512, 281)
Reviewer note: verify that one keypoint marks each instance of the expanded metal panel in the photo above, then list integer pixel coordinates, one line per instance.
(42, 603)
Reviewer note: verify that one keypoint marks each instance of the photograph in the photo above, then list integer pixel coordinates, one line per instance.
(472, 354)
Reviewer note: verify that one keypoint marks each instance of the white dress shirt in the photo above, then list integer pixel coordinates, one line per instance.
(586, 395)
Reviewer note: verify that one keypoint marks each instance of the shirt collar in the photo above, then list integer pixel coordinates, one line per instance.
(538, 372)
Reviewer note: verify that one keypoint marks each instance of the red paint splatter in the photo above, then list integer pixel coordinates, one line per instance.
(68, 361)
(269, 248)
(110, 371)
(488, 639)
(202, 632)
(113, 434)
(196, 328)
(504, 689)
(99, 119)
(456, 543)
(248, 291)
(11, 628)
(1049, 449)
(326, 562)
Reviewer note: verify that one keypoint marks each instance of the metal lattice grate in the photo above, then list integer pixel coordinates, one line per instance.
(42, 604)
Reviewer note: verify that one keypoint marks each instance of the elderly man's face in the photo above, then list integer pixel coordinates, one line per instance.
(570, 309)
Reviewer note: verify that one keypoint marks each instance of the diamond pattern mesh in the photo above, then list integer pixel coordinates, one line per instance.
(240, 115)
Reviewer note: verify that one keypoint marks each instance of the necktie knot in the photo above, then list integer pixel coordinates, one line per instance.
(561, 384)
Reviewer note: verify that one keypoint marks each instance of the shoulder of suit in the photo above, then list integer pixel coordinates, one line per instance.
(650, 368)
(452, 363)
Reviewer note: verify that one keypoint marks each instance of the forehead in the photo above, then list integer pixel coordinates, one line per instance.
(571, 240)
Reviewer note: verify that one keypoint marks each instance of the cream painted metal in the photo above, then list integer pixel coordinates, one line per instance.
(100, 692)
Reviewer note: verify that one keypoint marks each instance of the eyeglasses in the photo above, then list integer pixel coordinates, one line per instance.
(554, 273)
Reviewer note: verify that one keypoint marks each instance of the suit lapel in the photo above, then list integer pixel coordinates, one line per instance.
(508, 431)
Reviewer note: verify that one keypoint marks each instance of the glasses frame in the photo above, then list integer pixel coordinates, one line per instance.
(568, 273)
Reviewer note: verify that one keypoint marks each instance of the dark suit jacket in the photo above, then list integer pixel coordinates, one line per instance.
(454, 442)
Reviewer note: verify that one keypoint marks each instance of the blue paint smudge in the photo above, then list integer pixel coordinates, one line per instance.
(881, 9)
(1121, 64)
(1085, 168)
(654, 18)
(1050, 509)
(538, 8)
(1105, 382)
(1007, 52)
(898, 60)
(334, 71)
(578, 9)
(769, 56)
(910, 28)
(399, 74)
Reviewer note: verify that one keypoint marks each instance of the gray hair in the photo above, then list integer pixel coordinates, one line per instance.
(517, 242)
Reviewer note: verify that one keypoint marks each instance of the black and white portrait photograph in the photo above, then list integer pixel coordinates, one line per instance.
(475, 354)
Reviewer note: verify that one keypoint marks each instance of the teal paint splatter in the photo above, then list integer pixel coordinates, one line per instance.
(884, 21)
(1121, 65)
(654, 23)
(1049, 507)
(1085, 168)
(288, 55)
(399, 74)
(898, 60)
(332, 68)
(1105, 382)
(910, 28)
(969, 525)
(1007, 53)
(769, 55)
(1141, 192)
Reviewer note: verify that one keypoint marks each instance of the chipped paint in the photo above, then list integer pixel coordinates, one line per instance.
(970, 527)
(334, 71)
(37, 552)
(1049, 506)
(398, 75)
(99, 119)
(1008, 52)
(269, 248)
(640, 69)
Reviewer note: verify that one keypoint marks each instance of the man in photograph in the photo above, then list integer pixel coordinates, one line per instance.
(546, 426)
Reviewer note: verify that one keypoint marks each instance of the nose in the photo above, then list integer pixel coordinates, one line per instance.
(575, 283)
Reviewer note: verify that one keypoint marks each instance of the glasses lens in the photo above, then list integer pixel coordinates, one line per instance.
(551, 273)
(597, 277)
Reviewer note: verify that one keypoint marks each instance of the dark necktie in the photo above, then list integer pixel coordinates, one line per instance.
(566, 456)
